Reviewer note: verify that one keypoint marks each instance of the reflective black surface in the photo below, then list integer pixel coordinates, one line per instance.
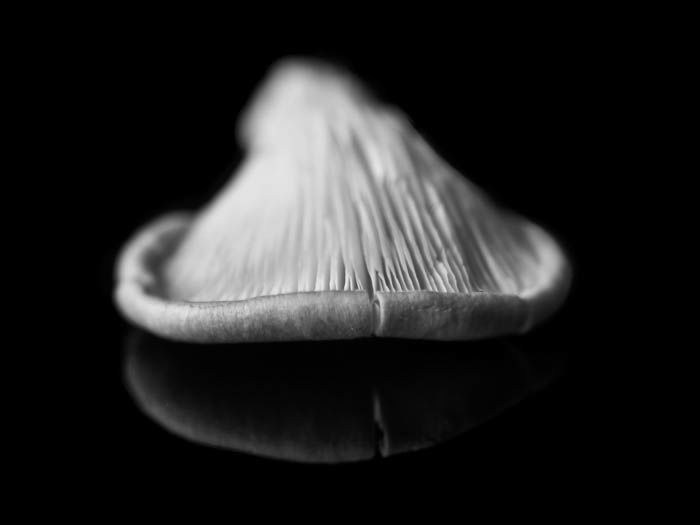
(524, 114)
(331, 401)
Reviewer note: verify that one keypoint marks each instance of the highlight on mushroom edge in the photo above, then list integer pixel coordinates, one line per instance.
(342, 222)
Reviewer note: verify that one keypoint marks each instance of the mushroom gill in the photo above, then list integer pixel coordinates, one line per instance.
(342, 222)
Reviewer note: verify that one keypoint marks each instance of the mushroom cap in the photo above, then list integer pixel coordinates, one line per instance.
(341, 223)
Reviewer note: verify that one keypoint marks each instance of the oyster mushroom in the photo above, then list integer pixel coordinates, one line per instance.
(342, 222)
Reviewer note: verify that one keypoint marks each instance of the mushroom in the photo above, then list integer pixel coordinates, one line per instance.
(342, 222)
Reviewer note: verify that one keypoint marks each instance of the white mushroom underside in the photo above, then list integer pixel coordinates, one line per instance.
(337, 195)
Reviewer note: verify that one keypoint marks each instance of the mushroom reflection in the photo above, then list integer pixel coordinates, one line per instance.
(330, 401)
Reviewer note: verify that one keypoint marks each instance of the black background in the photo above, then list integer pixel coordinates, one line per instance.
(523, 111)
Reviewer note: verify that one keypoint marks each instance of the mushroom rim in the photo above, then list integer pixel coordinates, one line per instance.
(325, 315)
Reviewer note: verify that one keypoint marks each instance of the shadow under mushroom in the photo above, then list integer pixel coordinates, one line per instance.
(333, 401)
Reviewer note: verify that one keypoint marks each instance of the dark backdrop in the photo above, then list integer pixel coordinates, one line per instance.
(519, 113)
